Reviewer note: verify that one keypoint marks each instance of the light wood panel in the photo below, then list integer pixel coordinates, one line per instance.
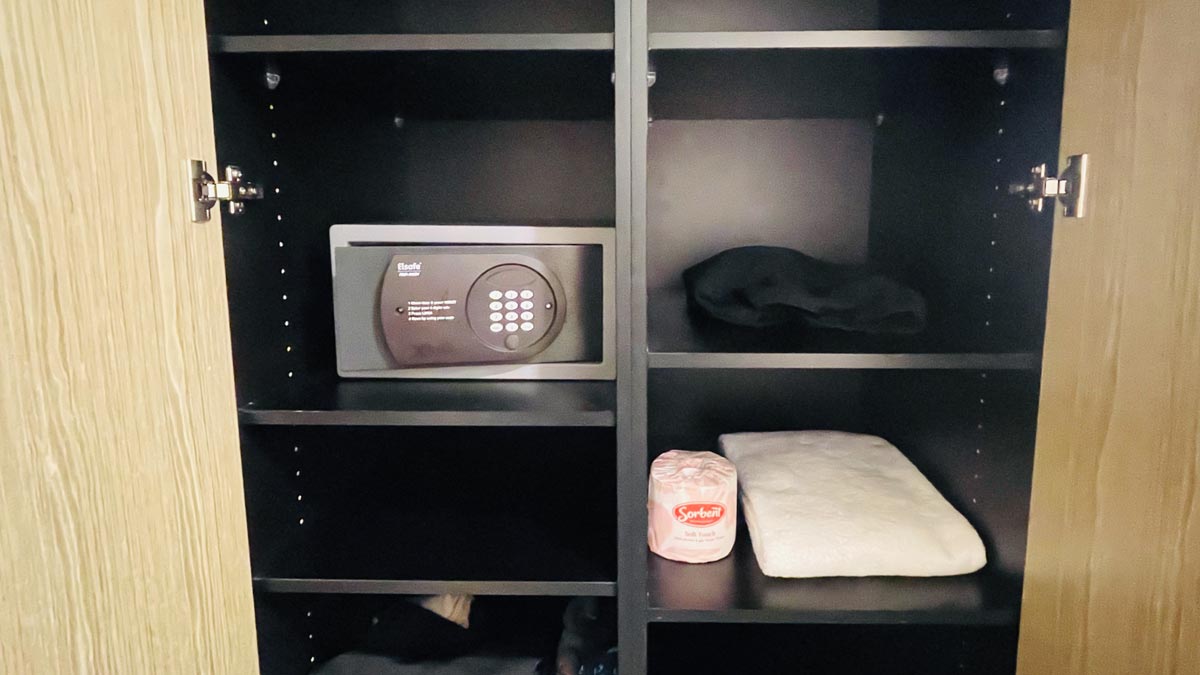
(1113, 573)
(122, 532)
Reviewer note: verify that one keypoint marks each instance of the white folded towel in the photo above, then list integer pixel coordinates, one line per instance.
(828, 503)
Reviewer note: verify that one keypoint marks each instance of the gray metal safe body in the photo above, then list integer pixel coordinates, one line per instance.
(473, 301)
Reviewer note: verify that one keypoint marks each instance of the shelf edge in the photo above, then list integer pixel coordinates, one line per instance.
(433, 587)
(993, 617)
(432, 418)
(859, 39)
(247, 44)
(846, 361)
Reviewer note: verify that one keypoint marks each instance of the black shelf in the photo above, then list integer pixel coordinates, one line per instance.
(410, 42)
(678, 339)
(440, 403)
(859, 39)
(434, 587)
(362, 545)
(735, 590)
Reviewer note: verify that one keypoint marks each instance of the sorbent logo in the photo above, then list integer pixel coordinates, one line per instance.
(699, 514)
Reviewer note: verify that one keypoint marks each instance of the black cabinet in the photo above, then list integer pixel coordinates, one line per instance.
(880, 132)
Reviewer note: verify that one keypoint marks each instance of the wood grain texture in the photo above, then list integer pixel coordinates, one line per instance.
(122, 527)
(1113, 572)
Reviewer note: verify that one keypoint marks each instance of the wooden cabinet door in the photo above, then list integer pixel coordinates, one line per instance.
(1112, 580)
(122, 527)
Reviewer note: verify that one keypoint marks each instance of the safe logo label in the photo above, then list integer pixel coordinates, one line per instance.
(699, 514)
(408, 269)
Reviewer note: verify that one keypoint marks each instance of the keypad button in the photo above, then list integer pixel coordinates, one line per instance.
(511, 295)
(510, 327)
(527, 316)
(527, 305)
(510, 305)
(495, 316)
(526, 294)
(496, 306)
(511, 316)
(495, 295)
(526, 326)
(496, 328)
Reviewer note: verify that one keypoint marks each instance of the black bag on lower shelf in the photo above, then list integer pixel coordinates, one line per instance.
(759, 286)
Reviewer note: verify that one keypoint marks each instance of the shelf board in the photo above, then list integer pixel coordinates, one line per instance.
(735, 590)
(408, 42)
(441, 403)
(434, 587)
(1010, 361)
(860, 39)
(679, 340)
(384, 547)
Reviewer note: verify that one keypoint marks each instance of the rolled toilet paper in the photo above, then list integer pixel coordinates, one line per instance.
(693, 506)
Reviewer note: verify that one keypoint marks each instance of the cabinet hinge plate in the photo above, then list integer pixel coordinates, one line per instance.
(1071, 188)
(205, 192)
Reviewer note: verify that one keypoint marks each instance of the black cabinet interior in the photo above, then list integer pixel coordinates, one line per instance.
(884, 133)
(283, 17)
(482, 505)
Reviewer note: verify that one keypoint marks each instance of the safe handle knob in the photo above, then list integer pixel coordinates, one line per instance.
(206, 191)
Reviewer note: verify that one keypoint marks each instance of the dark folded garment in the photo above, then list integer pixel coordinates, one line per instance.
(760, 286)
(358, 663)
(408, 632)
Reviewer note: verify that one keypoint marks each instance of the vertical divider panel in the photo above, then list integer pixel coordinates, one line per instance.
(632, 59)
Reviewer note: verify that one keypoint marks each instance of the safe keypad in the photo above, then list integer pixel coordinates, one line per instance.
(498, 319)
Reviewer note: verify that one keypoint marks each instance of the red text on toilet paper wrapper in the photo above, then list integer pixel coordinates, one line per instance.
(699, 514)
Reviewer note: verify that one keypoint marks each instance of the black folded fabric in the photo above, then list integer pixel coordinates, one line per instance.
(360, 663)
(408, 632)
(760, 286)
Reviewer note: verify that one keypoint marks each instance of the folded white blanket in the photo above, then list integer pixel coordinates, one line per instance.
(828, 503)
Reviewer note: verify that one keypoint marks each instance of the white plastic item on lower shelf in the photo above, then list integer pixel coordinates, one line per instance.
(829, 503)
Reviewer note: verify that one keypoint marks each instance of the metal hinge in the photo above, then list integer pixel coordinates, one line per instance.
(206, 191)
(1070, 188)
